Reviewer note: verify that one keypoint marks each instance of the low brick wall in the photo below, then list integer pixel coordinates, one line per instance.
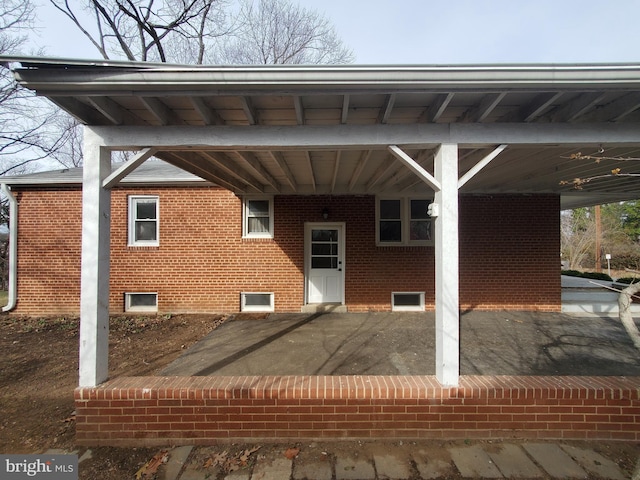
(135, 411)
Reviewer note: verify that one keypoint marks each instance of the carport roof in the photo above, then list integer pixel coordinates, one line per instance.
(325, 129)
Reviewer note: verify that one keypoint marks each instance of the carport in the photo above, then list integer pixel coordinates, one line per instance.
(334, 130)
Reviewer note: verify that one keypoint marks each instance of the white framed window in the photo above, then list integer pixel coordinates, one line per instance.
(140, 302)
(407, 301)
(257, 302)
(144, 220)
(257, 217)
(403, 221)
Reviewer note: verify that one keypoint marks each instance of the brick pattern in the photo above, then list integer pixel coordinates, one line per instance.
(136, 411)
(203, 263)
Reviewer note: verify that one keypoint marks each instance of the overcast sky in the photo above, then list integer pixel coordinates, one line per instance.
(450, 31)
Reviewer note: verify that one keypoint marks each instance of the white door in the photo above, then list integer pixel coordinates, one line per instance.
(325, 263)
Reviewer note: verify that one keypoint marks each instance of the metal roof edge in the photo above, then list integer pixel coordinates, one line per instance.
(86, 75)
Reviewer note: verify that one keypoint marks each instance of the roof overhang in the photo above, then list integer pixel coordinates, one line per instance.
(328, 129)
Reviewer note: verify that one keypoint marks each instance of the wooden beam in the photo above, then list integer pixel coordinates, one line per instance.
(249, 111)
(80, 111)
(319, 137)
(385, 111)
(481, 111)
(312, 175)
(414, 167)
(336, 167)
(204, 168)
(231, 168)
(297, 103)
(208, 114)
(577, 107)
(435, 110)
(161, 112)
(480, 165)
(615, 110)
(255, 166)
(362, 162)
(345, 110)
(137, 160)
(282, 164)
(110, 109)
(382, 170)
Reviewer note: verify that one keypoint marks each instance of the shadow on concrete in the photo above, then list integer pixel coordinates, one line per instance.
(491, 343)
(211, 369)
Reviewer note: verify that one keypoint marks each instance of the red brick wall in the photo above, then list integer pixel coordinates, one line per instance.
(205, 410)
(49, 227)
(509, 253)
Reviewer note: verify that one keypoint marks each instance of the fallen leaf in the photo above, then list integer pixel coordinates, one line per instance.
(149, 469)
(292, 453)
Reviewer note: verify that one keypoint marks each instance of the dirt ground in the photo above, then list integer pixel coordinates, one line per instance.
(39, 369)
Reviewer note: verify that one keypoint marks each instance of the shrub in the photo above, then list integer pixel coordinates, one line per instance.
(628, 280)
(590, 275)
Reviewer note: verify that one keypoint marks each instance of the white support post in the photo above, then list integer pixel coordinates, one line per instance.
(447, 274)
(94, 281)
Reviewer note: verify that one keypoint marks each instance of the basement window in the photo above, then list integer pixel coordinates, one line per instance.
(141, 302)
(257, 302)
(407, 302)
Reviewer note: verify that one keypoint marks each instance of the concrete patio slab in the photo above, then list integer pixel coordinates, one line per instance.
(513, 462)
(554, 460)
(594, 463)
(473, 462)
(492, 343)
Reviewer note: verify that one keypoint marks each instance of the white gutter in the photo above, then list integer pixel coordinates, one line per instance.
(13, 248)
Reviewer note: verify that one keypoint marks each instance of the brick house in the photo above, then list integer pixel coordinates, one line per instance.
(203, 248)
(369, 188)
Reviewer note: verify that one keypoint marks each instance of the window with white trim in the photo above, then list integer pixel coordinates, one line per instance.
(257, 217)
(144, 220)
(141, 302)
(403, 221)
(256, 302)
(407, 301)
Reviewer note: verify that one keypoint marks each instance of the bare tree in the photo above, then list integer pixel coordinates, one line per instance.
(281, 32)
(198, 31)
(577, 236)
(69, 154)
(21, 135)
(149, 30)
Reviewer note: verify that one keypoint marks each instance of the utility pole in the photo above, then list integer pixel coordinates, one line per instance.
(598, 237)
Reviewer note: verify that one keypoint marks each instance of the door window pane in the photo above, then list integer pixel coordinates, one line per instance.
(324, 248)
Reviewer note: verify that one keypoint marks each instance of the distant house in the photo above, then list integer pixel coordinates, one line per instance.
(181, 244)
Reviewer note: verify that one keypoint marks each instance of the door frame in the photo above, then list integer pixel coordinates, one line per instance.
(308, 226)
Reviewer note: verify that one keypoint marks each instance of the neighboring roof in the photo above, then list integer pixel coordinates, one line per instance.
(151, 172)
(521, 106)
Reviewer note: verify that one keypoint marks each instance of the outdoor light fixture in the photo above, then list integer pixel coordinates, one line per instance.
(433, 210)
(325, 213)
